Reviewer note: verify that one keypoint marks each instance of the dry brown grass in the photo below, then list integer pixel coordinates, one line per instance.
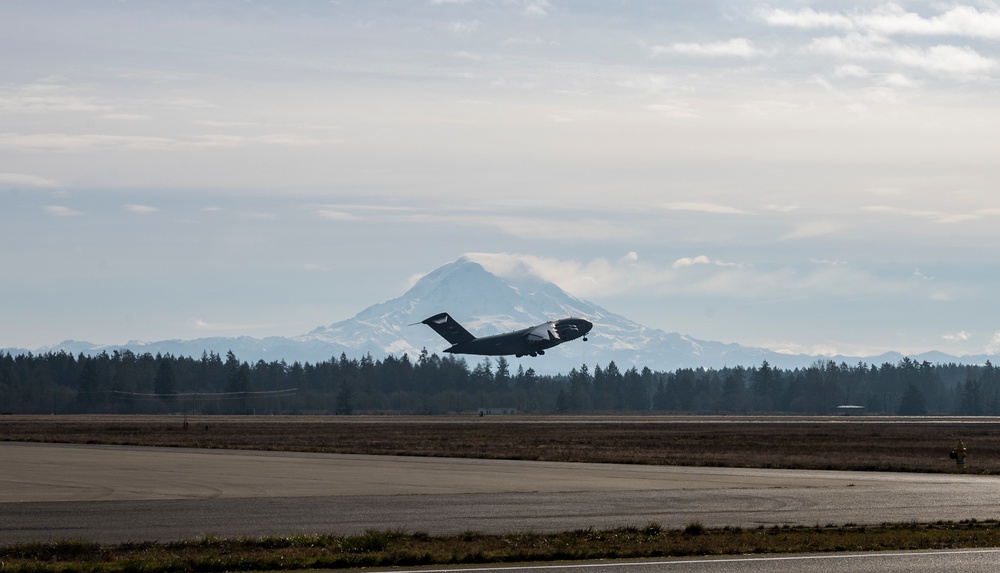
(395, 549)
(916, 445)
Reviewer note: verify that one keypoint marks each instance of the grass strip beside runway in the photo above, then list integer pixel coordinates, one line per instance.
(395, 548)
(858, 443)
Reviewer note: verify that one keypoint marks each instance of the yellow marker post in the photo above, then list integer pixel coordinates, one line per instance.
(960, 453)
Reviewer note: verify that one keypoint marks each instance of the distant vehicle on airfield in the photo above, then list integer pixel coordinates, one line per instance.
(528, 342)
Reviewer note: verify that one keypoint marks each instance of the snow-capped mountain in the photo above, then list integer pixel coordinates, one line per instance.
(489, 304)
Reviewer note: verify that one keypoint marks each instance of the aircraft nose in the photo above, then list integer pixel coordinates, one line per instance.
(570, 328)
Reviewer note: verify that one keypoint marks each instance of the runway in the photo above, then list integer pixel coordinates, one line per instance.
(51, 492)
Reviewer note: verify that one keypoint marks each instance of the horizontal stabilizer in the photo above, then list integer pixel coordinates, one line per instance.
(450, 330)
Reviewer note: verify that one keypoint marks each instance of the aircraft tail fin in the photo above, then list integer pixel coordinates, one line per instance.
(450, 330)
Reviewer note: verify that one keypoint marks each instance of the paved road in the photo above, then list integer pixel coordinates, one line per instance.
(964, 561)
(114, 494)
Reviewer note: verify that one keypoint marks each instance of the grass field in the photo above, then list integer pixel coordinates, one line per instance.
(844, 443)
(400, 549)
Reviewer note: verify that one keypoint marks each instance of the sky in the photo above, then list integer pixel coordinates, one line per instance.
(817, 177)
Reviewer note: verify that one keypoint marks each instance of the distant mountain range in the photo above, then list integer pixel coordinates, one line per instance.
(489, 304)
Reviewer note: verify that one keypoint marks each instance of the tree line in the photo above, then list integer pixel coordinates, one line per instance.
(124, 382)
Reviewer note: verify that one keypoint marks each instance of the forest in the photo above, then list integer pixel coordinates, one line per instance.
(125, 383)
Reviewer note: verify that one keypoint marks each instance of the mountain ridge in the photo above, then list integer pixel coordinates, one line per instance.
(486, 304)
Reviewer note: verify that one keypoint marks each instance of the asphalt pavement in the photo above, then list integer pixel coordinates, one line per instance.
(50, 492)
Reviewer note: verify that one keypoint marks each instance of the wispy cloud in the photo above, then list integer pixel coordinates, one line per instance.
(701, 260)
(960, 336)
(941, 60)
(893, 19)
(26, 180)
(934, 215)
(335, 215)
(140, 209)
(48, 95)
(806, 18)
(589, 226)
(675, 109)
(993, 347)
(811, 229)
(736, 47)
(536, 7)
(464, 28)
(79, 142)
(885, 34)
(72, 142)
(699, 276)
(714, 208)
(62, 211)
(125, 116)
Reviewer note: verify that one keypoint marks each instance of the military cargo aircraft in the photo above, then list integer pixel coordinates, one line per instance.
(528, 342)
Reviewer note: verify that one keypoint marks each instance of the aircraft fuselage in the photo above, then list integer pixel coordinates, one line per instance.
(526, 342)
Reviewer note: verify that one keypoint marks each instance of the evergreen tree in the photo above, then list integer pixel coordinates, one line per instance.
(164, 383)
(913, 402)
(88, 384)
(501, 380)
(345, 400)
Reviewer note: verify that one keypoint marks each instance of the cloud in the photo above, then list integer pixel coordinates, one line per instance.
(810, 229)
(993, 347)
(125, 116)
(960, 336)
(677, 109)
(552, 229)
(47, 96)
(517, 223)
(699, 276)
(892, 19)
(701, 260)
(806, 18)
(583, 279)
(140, 209)
(736, 47)
(464, 28)
(283, 139)
(536, 8)
(25, 180)
(62, 211)
(965, 21)
(932, 215)
(688, 261)
(781, 208)
(941, 60)
(335, 215)
(71, 142)
(705, 208)
(851, 71)
(81, 142)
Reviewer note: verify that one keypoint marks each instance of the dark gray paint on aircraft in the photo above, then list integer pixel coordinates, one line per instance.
(527, 342)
